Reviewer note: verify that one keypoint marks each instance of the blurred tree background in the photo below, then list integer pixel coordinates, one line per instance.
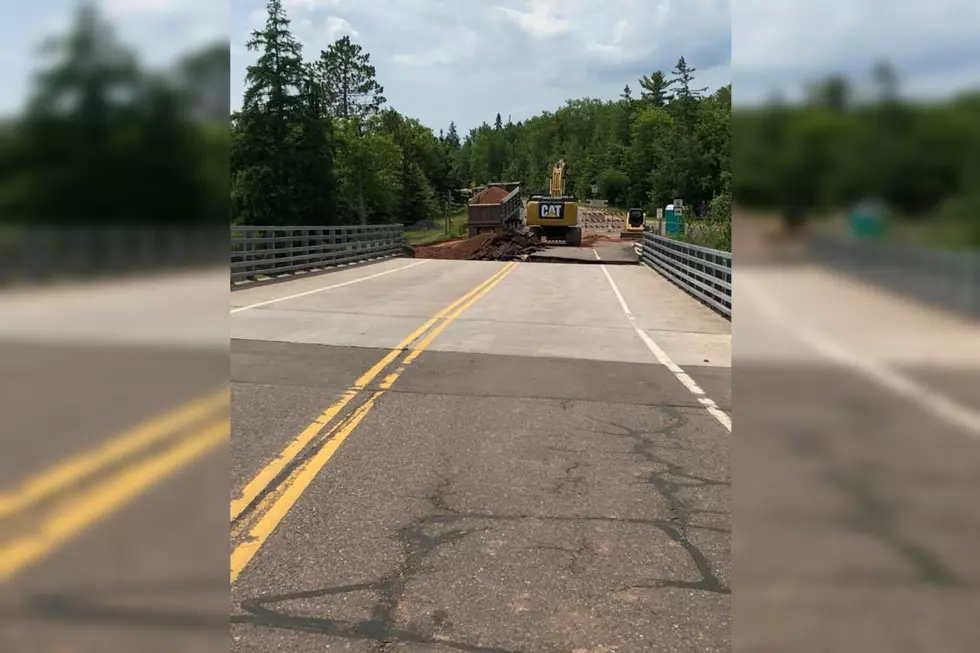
(921, 159)
(106, 141)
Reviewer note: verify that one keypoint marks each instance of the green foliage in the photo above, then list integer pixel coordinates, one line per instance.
(920, 159)
(104, 141)
(614, 185)
(672, 142)
(348, 79)
(313, 143)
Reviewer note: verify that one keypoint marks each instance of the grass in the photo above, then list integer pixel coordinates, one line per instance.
(457, 228)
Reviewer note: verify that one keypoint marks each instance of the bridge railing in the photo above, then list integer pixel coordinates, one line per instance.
(37, 253)
(947, 279)
(702, 272)
(270, 251)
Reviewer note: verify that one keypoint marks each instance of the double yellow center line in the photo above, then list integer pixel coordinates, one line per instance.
(177, 438)
(266, 499)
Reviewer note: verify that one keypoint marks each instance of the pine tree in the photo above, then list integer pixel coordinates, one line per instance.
(272, 102)
(452, 137)
(349, 80)
(656, 89)
(686, 98)
(352, 92)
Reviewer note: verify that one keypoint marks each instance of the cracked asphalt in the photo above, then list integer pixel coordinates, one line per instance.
(856, 505)
(490, 502)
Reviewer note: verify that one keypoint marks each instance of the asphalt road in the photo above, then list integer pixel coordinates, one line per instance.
(857, 467)
(109, 547)
(534, 479)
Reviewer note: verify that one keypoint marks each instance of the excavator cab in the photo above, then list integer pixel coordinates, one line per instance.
(636, 221)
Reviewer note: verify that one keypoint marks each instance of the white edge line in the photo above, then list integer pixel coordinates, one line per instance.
(336, 285)
(596, 254)
(682, 376)
(939, 405)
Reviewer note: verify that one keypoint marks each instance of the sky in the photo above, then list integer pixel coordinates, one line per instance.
(467, 60)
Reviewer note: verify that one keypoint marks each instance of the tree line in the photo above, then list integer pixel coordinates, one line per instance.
(316, 143)
(105, 141)
(673, 141)
(921, 160)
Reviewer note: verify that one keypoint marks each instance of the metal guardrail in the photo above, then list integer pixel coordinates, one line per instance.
(946, 279)
(268, 251)
(702, 272)
(30, 254)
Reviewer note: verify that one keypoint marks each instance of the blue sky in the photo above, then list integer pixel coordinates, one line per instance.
(465, 60)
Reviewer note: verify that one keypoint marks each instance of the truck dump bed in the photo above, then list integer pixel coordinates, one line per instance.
(494, 210)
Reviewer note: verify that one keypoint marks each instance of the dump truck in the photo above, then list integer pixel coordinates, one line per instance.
(554, 217)
(494, 210)
(636, 223)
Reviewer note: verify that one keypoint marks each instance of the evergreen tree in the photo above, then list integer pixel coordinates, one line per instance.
(349, 80)
(656, 89)
(273, 103)
(352, 93)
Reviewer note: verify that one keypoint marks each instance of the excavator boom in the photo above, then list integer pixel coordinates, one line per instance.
(558, 179)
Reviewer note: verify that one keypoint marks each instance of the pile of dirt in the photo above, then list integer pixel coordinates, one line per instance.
(456, 250)
(489, 195)
(484, 247)
(507, 247)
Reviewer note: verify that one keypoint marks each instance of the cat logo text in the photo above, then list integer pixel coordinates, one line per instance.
(552, 211)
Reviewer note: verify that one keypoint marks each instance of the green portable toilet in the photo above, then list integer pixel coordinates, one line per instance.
(673, 220)
(867, 220)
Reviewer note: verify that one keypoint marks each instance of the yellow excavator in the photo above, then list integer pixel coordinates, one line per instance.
(555, 217)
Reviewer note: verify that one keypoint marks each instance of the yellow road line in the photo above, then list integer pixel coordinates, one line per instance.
(293, 487)
(108, 495)
(427, 340)
(274, 468)
(64, 474)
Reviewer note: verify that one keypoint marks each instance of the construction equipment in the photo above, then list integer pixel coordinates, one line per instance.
(494, 209)
(555, 217)
(636, 224)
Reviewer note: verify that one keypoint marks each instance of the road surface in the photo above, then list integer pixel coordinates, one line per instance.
(114, 466)
(479, 456)
(857, 467)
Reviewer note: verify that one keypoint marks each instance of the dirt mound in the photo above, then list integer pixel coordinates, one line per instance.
(507, 247)
(484, 247)
(490, 195)
(457, 250)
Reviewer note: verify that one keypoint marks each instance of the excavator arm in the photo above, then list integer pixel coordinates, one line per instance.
(558, 179)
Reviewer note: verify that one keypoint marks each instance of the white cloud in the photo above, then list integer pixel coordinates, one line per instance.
(619, 31)
(465, 60)
(257, 17)
(310, 5)
(782, 45)
(540, 22)
(338, 27)
(450, 52)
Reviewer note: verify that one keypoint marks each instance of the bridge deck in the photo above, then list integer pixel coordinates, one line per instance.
(536, 479)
